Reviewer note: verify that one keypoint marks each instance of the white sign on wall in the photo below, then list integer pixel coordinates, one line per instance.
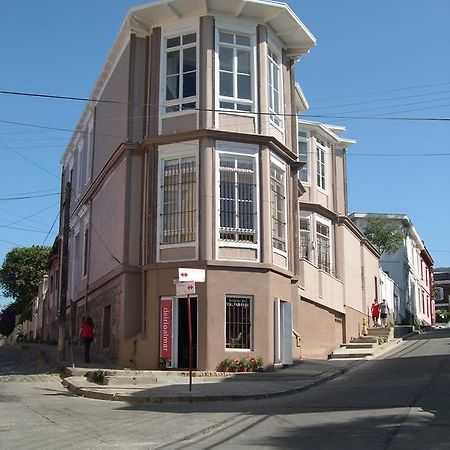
(187, 288)
(196, 275)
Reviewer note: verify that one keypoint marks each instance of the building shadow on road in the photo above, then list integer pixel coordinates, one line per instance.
(403, 398)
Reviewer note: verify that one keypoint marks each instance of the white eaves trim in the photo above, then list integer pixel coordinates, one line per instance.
(301, 104)
(328, 131)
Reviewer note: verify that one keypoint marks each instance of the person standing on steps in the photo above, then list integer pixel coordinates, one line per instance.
(375, 309)
(384, 312)
(87, 332)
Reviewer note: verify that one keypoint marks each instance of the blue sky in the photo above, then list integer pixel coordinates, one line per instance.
(378, 59)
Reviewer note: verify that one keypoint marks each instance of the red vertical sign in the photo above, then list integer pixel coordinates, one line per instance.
(165, 346)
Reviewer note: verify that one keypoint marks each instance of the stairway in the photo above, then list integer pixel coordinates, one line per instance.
(364, 347)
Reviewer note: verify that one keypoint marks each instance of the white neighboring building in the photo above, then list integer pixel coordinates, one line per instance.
(405, 267)
(389, 291)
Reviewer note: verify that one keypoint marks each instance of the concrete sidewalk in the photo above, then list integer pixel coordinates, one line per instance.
(172, 386)
(136, 386)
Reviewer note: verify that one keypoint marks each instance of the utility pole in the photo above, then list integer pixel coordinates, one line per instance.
(63, 273)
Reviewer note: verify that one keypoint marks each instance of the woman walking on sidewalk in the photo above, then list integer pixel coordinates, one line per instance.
(87, 331)
(375, 310)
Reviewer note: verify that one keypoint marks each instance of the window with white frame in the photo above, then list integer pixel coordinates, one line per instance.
(235, 71)
(181, 72)
(321, 155)
(238, 322)
(179, 202)
(305, 235)
(303, 173)
(278, 204)
(89, 139)
(75, 263)
(237, 198)
(85, 249)
(274, 85)
(323, 238)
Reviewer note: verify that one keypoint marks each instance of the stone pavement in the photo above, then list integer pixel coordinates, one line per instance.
(135, 386)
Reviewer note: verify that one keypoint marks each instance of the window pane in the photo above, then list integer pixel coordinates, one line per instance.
(244, 87)
(243, 58)
(190, 105)
(226, 84)
(226, 58)
(244, 107)
(237, 191)
(276, 77)
(243, 40)
(189, 38)
(225, 37)
(276, 102)
(173, 42)
(173, 108)
(189, 84)
(238, 325)
(227, 105)
(189, 59)
(179, 201)
(172, 87)
(173, 62)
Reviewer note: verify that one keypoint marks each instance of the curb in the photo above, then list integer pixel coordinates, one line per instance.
(190, 398)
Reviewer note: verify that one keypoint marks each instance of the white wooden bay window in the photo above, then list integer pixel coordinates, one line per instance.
(237, 197)
(323, 239)
(178, 200)
(236, 71)
(180, 65)
(274, 88)
(321, 155)
(278, 204)
(303, 156)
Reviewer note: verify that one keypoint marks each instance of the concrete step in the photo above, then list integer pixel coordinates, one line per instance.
(365, 339)
(368, 345)
(382, 332)
(356, 353)
(115, 380)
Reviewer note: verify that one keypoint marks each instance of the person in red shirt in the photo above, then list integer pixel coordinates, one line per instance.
(87, 332)
(375, 312)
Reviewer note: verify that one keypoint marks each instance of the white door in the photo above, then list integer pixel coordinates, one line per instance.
(283, 332)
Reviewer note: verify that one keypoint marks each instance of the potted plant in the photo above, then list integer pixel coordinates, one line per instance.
(234, 363)
(251, 362)
(162, 363)
(259, 364)
(225, 365)
(244, 364)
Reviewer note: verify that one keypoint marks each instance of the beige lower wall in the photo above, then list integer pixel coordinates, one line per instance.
(262, 285)
(320, 329)
(353, 323)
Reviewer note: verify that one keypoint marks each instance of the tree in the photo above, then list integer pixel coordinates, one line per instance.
(384, 234)
(22, 271)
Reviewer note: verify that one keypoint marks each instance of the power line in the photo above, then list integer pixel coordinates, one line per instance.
(63, 97)
(12, 243)
(59, 97)
(28, 197)
(382, 100)
(401, 105)
(42, 191)
(29, 160)
(398, 154)
(51, 228)
(33, 230)
(420, 86)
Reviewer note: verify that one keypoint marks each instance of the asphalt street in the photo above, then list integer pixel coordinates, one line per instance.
(398, 402)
